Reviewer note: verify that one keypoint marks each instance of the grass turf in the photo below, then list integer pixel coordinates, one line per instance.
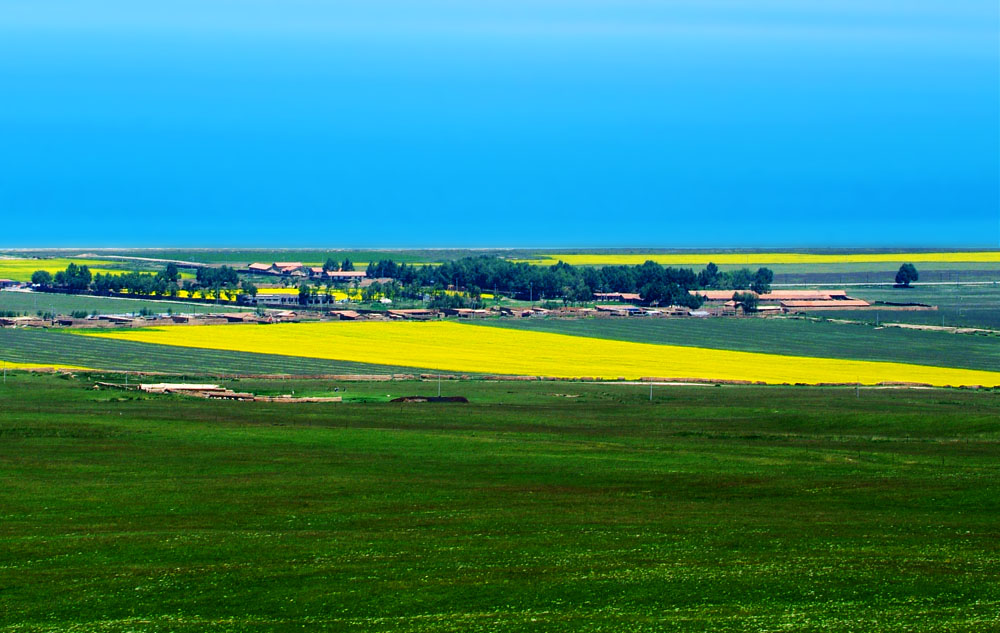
(958, 305)
(784, 336)
(713, 508)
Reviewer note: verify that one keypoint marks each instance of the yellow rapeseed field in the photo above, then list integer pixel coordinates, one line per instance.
(455, 347)
(701, 259)
(21, 269)
(14, 366)
(337, 295)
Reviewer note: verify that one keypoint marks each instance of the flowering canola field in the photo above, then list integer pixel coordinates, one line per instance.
(11, 366)
(701, 259)
(454, 347)
(20, 269)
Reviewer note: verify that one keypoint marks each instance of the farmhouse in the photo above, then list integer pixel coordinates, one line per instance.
(618, 309)
(294, 269)
(785, 300)
(466, 313)
(617, 296)
(9, 283)
(414, 314)
(345, 315)
(345, 275)
(842, 304)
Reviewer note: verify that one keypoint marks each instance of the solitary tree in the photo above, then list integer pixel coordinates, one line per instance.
(906, 275)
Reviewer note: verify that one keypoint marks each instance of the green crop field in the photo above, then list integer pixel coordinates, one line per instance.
(967, 305)
(40, 347)
(34, 302)
(245, 256)
(797, 337)
(536, 507)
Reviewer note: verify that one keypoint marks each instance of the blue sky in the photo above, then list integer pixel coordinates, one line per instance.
(487, 123)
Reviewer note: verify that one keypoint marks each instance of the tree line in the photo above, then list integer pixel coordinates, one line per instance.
(655, 283)
(214, 283)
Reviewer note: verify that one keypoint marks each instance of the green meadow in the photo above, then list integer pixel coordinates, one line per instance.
(535, 507)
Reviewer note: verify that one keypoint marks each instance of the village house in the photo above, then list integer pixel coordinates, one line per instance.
(346, 276)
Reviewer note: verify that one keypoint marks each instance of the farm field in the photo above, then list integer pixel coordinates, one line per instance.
(461, 348)
(307, 256)
(21, 269)
(795, 337)
(836, 275)
(712, 508)
(958, 305)
(57, 303)
(764, 258)
(45, 348)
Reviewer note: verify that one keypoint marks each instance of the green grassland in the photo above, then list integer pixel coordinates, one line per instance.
(797, 337)
(958, 305)
(56, 303)
(712, 508)
(41, 346)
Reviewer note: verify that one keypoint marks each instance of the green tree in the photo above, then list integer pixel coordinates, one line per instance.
(747, 301)
(330, 264)
(41, 278)
(762, 281)
(347, 265)
(655, 293)
(906, 275)
(709, 277)
(171, 273)
(304, 292)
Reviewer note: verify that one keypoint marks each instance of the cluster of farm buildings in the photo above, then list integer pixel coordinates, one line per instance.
(790, 300)
(718, 303)
(614, 304)
(298, 269)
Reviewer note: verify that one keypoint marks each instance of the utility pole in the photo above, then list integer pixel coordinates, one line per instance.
(5, 372)
(439, 384)
(650, 392)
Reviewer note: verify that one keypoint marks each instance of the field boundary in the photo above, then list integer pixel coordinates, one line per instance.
(661, 381)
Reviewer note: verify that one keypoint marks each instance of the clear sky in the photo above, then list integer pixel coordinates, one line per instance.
(666, 123)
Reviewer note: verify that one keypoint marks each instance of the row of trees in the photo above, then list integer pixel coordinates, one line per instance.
(657, 284)
(332, 265)
(214, 283)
